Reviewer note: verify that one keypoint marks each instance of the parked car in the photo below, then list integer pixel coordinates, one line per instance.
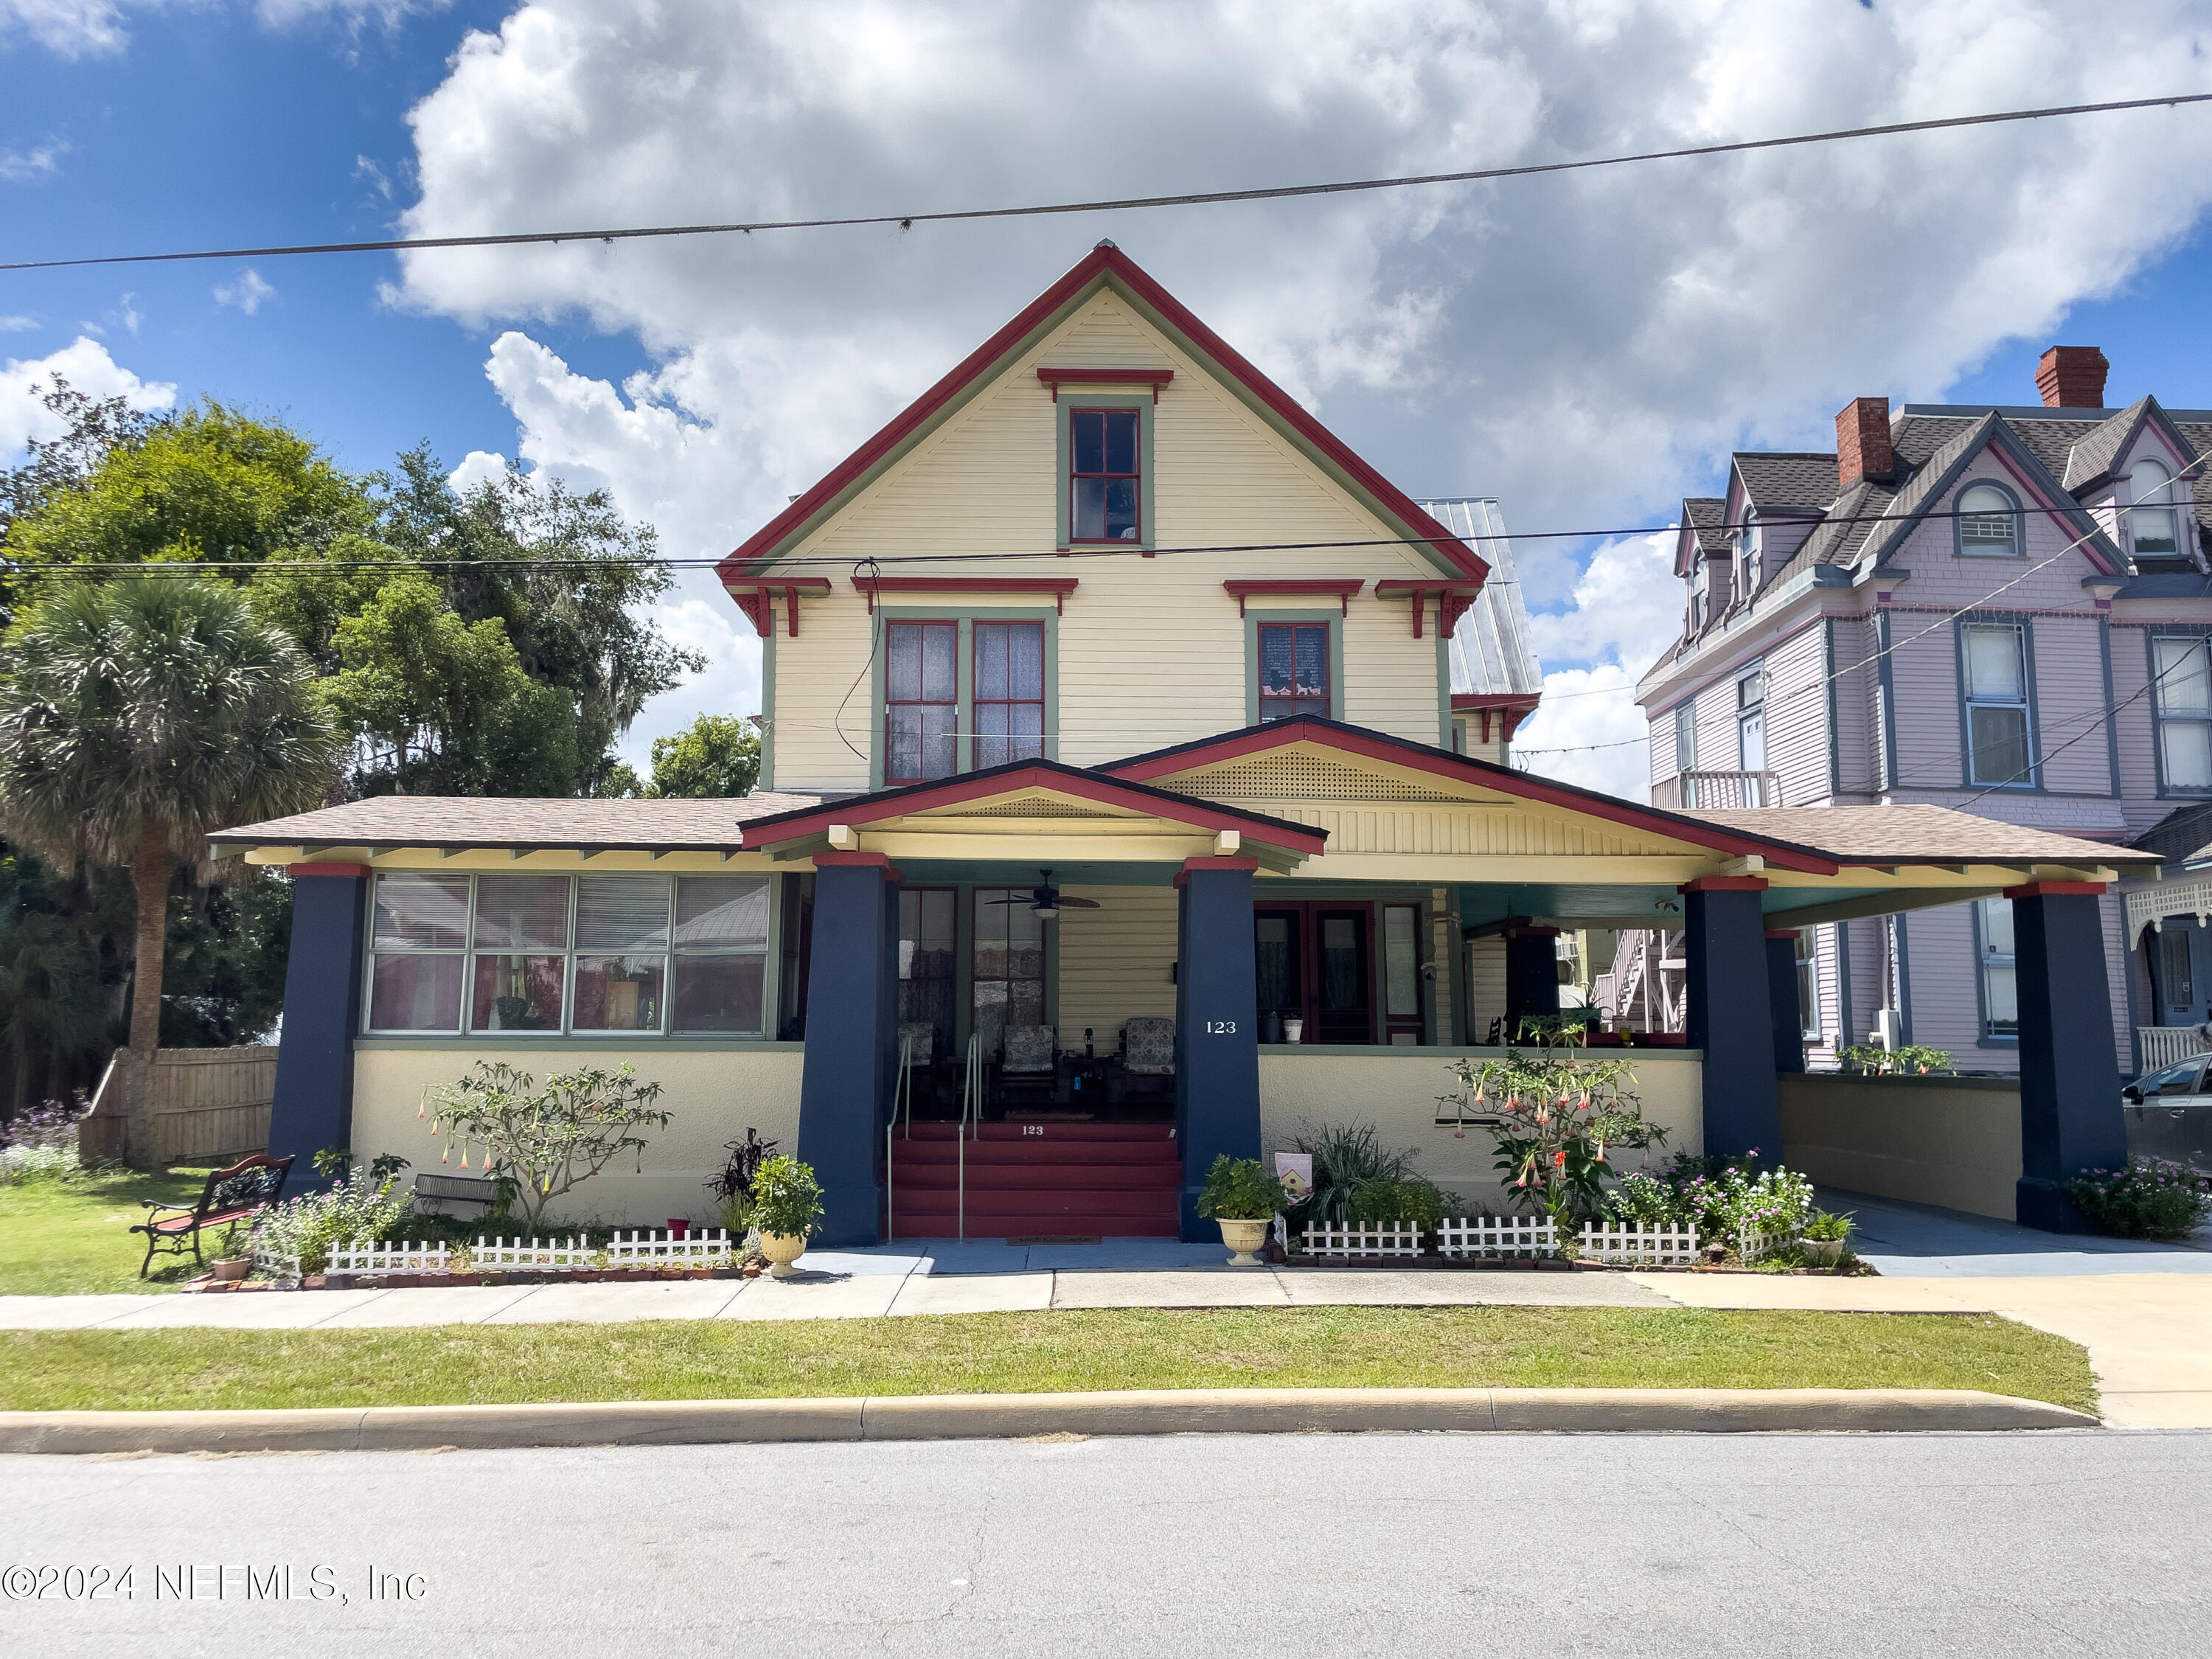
(2184, 1076)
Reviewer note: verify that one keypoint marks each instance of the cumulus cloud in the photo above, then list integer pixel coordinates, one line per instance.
(20, 167)
(246, 291)
(1585, 347)
(87, 366)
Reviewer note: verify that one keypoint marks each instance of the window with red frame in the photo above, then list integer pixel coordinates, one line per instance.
(921, 699)
(1102, 483)
(1293, 670)
(1009, 692)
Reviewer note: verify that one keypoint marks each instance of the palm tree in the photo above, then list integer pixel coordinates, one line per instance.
(137, 716)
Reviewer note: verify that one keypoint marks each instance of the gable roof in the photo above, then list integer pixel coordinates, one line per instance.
(1104, 266)
(1786, 480)
(1359, 741)
(2095, 457)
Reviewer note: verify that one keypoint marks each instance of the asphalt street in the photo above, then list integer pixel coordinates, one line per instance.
(2063, 1543)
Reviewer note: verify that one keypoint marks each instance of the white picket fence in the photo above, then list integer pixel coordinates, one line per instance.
(555, 1255)
(1754, 1247)
(1398, 1238)
(278, 1265)
(699, 1248)
(1497, 1235)
(370, 1259)
(1663, 1245)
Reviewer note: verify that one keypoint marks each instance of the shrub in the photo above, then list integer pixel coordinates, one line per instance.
(40, 1143)
(1646, 1200)
(1913, 1059)
(540, 1143)
(787, 1198)
(1346, 1159)
(731, 1187)
(1413, 1200)
(1239, 1189)
(1724, 1197)
(2151, 1198)
(1554, 1118)
(361, 1208)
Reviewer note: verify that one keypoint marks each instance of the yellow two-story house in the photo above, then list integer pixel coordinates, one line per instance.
(1134, 791)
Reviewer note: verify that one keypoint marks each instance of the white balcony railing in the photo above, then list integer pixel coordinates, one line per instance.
(2162, 1045)
(1717, 792)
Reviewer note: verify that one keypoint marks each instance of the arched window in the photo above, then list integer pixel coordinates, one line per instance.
(1989, 521)
(1700, 586)
(2151, 524)
(1746, 557)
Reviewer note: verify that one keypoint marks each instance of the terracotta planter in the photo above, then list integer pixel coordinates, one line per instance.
(781, 1250)
(1244, 1238)
(232, 1267)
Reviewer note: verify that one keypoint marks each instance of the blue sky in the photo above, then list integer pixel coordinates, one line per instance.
(1586, 350)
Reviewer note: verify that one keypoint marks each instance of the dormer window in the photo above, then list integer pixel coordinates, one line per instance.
(1989, 522)
(1701, 585)
(1746, 558)
(2152, 521)
(1103, 485)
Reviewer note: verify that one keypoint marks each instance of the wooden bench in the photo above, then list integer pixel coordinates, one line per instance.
(231, 1195)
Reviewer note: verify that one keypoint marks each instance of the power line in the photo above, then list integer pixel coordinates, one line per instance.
(1122, 204)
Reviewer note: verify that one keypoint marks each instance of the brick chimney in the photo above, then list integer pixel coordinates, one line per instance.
(1862, 449)
(2072, 377)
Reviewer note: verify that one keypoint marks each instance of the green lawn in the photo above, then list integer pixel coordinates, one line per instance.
(1033, 1352)
(74, 1237)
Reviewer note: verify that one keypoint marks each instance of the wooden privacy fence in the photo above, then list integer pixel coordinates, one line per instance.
(208, 1103)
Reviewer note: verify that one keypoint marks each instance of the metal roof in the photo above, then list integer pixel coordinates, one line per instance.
(1490, 649)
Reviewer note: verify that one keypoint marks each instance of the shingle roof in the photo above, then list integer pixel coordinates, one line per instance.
(1919, 834)
(1785, 481)
(1490, 653)
(2183, 836)
(2091, 454)
(1708, 516)
(480, 821)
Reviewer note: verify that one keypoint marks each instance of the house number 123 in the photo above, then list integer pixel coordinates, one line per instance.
(1221, 1028)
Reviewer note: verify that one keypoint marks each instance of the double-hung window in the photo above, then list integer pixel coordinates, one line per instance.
(2182, 691)
(1751, 720)
(921, 699)
(1701, 588)
(1993, 946)
(1989, 523)
(1997, 703)
(1809, 987)
(1747, 550)
(1009, 692)
(1105, 488)
(2152, 521)
(497, 954)
(1686, 737)
(1294, 669)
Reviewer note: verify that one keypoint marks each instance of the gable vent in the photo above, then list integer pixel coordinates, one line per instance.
(1036, 809)
(1304, 777)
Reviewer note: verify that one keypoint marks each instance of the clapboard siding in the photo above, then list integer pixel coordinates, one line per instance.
(2070, 694)
(1858, 745)
(1924, 676)
(1115, 962)
(1150, 651)
(1797, 720)
(2135, 726)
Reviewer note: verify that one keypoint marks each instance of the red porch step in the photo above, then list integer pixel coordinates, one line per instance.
(1119, 1180)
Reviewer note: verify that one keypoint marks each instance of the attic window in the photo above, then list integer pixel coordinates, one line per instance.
(1103, 483)
(1989, 522)
(2151, 520)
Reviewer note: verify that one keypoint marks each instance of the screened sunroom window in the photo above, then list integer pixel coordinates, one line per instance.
(500, 954)
(2183, 690)
(1996, 704)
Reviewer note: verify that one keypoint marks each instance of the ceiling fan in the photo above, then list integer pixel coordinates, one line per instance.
(1046, 901)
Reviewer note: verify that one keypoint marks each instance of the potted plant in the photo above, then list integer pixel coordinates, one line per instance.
(1244, 1198)
(1822, 1241)
(787, 1198)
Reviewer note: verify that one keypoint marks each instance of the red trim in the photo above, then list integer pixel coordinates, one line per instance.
(1530, 932)
(1724, 884)
(1326, 587)
(1111, 264)
(1059, 586)
(981, 785)
(2059, 890)
(1785, 932)
(2065, 507)
(1055, 378)
(1303, 728)
(1453, 599)
(753, 598)
(831, 859)
(327, 870)
(1191, 866)
(1508, 709)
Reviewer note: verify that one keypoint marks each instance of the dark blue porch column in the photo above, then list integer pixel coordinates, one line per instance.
(1532, 974)
(1217, 1026)
(1782, 1004)
(314, 1106)
(852, 1039)
(1730, 1014)
(2069, 1079)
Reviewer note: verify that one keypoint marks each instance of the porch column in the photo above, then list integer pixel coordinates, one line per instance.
(1532, 974)
(313, 1105)
(1781, 1002)
(1730, 1013)
(1217, 1025)
(2070, 1081)
(852, 1039)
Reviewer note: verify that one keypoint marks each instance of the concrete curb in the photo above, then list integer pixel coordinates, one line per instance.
(1010, 1416)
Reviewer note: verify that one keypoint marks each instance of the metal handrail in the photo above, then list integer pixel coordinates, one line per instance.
(902, 1096)
(971, 1098)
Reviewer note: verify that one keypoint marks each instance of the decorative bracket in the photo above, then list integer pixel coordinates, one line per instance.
(753, 598)
(1453, 598)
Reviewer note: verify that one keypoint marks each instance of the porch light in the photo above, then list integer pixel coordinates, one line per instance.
(1046, 912)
